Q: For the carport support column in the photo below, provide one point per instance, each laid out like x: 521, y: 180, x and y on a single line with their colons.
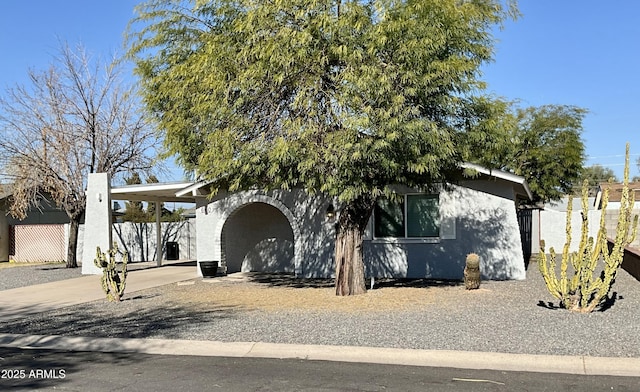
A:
x: 97, y: 226
x: 158, y: 236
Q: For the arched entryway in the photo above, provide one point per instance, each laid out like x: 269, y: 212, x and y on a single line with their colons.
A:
x: 257, y: 237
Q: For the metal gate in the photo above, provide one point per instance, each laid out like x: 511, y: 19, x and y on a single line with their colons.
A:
x: 525, y: 222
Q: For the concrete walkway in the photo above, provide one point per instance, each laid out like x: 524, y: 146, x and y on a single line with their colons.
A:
x: 23, y: 301
x: 18, y: 302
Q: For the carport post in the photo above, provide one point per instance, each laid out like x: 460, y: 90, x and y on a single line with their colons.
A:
x: 158, y: 236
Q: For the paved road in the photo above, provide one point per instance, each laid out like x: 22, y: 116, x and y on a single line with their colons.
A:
x: 94, y: 371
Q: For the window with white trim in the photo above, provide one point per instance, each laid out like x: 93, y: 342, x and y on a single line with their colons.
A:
x: 414, y: 216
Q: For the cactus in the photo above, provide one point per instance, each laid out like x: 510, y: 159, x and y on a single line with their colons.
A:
x: 583, y: 292
x: 472, y: 272
x: 112, y: 282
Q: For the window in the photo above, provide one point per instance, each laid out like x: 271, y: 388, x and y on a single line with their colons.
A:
x: 415, y: 216
x: 388, y: 219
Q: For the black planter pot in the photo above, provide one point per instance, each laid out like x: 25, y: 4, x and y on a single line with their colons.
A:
x: 209, y: 269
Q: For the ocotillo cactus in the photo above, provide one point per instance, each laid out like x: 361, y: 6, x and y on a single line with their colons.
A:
x: 472, y: 272
x: 113, y: 283
x: 583, y: 292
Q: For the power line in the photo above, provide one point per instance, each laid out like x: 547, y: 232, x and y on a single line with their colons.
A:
x: 590, y: 157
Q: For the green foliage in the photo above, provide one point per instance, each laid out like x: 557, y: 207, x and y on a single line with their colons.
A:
x: 135, y: 211
x: 544, y: 146
x: 339, y: 97
x: 113, y: 283
x: 595, y: 175
x: 583, y: 292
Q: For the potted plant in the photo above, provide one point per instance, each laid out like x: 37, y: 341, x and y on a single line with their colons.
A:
x: 209, y: 269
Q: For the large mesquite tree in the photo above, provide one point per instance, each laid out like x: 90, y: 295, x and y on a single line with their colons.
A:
x: 339, y: 97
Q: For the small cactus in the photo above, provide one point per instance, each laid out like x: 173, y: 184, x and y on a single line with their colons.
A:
x: 112, y: 282
x: 472, y: 272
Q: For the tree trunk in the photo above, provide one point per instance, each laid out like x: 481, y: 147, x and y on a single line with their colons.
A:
x: 349, y: 261
x: 72, y: 260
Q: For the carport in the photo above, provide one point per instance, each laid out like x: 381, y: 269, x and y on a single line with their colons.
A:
x: 99, y: 211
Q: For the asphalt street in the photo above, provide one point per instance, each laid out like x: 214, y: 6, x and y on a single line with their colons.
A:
x: 29, y: 369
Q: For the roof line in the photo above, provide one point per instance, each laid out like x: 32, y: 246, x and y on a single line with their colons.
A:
x: 503, y: 175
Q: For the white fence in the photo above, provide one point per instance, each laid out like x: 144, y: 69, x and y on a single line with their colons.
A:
x: 139, y: 239
x: 550, y: 226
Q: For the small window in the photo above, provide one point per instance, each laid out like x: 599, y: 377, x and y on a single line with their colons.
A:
x: 423, y: 216
x: 388, y: 219
x: 415, y: 216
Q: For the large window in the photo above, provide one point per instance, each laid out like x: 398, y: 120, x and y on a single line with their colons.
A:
x: 414, y: 216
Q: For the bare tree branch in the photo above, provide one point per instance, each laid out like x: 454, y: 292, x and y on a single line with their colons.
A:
x: 76, y: 118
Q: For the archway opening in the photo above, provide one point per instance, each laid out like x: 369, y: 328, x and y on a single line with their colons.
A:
x: 258, y: 237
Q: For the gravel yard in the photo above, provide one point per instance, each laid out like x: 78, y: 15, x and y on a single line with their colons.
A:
x: 13, y: 275
x: 508, y: 316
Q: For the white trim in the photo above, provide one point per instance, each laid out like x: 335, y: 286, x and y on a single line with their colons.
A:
x: 167, y: 186
x: 162, y: 192
x: 192, y: 188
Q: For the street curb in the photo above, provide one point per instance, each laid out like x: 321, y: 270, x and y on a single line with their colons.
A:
x: 584, y: 365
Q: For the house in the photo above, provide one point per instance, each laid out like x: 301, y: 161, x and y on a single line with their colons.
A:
x: 41, y: 236
x: 613, y: 206
x: 425, y: 235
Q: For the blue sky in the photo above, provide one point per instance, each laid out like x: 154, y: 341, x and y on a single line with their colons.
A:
x: 573, y: 52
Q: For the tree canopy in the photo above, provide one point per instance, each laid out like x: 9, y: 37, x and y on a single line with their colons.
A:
x: 544, y: 145
x: 595, y: 175
x: 342, y: 97
x: 346, y: 98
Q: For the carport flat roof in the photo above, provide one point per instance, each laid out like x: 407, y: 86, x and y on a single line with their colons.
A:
x: 161, y: 192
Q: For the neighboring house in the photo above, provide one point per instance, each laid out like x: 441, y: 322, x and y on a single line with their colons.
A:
x: 427, y: 235
x: 615, y: 195
x: 41, y: 236
x: 613, y: 206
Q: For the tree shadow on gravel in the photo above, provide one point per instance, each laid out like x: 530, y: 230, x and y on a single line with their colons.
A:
x: 289, y: 280
x: 119, y: 321
x: 416, y: 283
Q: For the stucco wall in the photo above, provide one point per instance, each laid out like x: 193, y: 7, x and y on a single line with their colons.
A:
x: 552, y: 229
x: 611, y: 222
x: 258, y: 237
x: 139, y: 239
x: 131, y: 238
x: 312, y: 232
x: 484, y: 223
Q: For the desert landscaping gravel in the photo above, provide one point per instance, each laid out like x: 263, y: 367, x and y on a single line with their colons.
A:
x: 13, y: 276
x: 20, y: 276
x: 502, y: 316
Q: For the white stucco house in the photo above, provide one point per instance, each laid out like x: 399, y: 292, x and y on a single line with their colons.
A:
x: 427, y: 235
